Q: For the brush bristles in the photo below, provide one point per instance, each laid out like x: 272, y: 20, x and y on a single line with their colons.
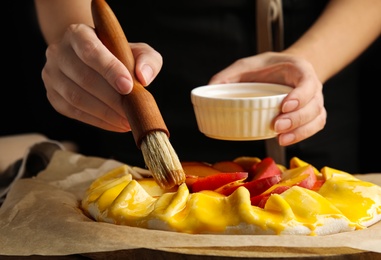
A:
x: 162, y: 160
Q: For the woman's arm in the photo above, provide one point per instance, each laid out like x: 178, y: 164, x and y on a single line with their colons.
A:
x: 55, y: 16
x: 343, y: 31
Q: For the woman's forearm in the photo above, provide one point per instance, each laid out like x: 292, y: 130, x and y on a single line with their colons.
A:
x: 344, y: 30
x: 54, y: 16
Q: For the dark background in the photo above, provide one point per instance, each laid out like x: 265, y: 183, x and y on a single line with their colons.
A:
x: 25, y: 109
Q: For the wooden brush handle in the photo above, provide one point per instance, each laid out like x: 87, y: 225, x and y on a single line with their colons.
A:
x: 139, y: 105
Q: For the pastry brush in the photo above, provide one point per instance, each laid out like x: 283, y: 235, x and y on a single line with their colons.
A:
x: 147, y: 125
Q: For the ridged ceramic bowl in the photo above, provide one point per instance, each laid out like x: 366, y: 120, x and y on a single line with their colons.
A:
x: 238, y: 111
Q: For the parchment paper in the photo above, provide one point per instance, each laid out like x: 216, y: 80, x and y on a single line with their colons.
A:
x: 41, y: 216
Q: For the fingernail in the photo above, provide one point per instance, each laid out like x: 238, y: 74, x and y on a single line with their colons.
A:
x: 124, y: 85
x: 282, y: 125
x: 147, y: 73
x: 289, y: 106
x: 285, y: 139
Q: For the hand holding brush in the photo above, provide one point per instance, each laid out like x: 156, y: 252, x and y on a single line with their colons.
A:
x: 148, y: 128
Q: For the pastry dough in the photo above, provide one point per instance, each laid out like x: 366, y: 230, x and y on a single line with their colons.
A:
x: 343, y: 203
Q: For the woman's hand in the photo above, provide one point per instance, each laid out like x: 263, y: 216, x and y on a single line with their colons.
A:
x: 86, y: 82
x: 303, y: 112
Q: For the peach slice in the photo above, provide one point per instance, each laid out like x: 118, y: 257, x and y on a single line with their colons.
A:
x: 228, y: 166
x: 190, y: 180
x: 247, y: 162
x: 198, y: 169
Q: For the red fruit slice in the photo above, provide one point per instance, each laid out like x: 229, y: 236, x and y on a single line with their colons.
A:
x: 310, y: 181
x: 229, y: 188
x: 265, y: 168
x: 255, y: 187
x: 317, y: 185
x: 261, y: 199
x: 259, y: 186
x: 215, y: 181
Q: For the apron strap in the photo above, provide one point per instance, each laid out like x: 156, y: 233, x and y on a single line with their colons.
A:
x: 270, y: 38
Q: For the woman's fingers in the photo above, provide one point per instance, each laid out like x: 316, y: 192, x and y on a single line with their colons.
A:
x: 302, y: 112
x: 148, y: 62
x: 74, y: 101
x: 298, y: 125
x: 85, y: 81
x: 77, y: 90
x: 94, y: 54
